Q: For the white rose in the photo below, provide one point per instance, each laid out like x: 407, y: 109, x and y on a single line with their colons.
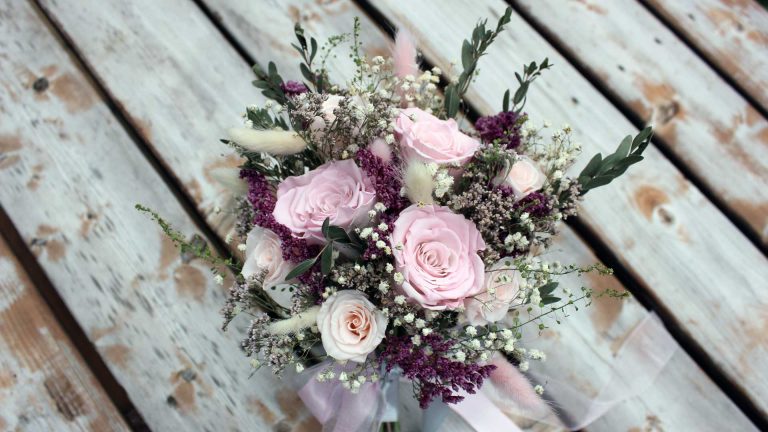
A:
x: 504, y: 281
x: 350, y: 326
x: 263, y: 253
x: 523, y: 177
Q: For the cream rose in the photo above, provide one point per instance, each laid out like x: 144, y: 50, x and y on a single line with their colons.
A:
x: 337, y: 190
x: 523, y: 177
x: 264, y: 254
x: 504, y: 281
x: 426, y: 138
x: 350, y: 326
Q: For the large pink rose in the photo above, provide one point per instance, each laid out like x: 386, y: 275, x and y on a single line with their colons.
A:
x: 504, y: 281
x: 337, y: 190
x: 429, y: 139
x: 436, y: 252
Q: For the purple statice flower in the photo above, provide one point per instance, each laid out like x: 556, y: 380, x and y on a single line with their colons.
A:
x: 385, y: 178
x: 434, y: 374
x: 262, y: 198
x: 293, y: 88
x: 502, y: 127
x: 535, y: 204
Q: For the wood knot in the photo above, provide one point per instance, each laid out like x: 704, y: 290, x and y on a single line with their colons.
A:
x: 40, y: 85
x: 665, y: 112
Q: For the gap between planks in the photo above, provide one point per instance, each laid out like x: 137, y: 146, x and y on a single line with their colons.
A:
x: 69, y: 325
x: 605, y: 254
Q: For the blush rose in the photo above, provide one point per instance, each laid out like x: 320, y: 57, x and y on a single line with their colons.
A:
x: 263, y: 254
x: 486, y: 307
x: 426, y: 138
x: 350, y: 326
x: 337, y: 190
x: 436, y: 252
x: 523, y: 177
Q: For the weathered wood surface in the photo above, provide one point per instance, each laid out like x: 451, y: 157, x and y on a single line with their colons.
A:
x: 44, y: 383
x: 70, y: 175
x: 732, y: 34
x: 720, y: 137
x: 664, y: 231
x: 271, y: 44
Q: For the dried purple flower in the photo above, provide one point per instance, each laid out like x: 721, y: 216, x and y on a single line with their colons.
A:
x: 504, y: 127
x: 293, y: 88
x: 433, y: 373
x: 385, y: 178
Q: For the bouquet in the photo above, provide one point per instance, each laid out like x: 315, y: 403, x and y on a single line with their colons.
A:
x: 380, y: 235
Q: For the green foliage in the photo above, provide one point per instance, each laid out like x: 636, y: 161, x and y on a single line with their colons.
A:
x: 262, y: 119
x: 334, y: 236
x: 530, y: 73
x: 600, y: 172
x: 471, y: 51
x: 197, y: 247
x: 318, y: 79
x: 269, y: 82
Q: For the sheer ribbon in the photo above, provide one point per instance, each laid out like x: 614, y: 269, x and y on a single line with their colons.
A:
x: 638, y: 362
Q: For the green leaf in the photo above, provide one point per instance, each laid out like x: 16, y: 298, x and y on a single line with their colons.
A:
x: 314, y: 49
x: 272, y: 68
x: 451, y: 101
x: 547, y: 289
x: 306, y: 72
x: 505, y: 102
x: 550, y: 300
x: 337, y: 234
x: 326, y: 259
x: 625, y: 146
x: 326, y: 225
x: 300, y: 269
x: 466, y: 55
x: 599, y: 181
x: 592, y: 167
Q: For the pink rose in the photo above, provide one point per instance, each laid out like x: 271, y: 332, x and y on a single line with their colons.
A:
x: 502, y: 285
x: 337, y: 190
x: 524, y: 177
x: 350, y: 326
x: 263, y: 254
x: 429, y: 139
x: 327, y: 107
x: 436, y: 252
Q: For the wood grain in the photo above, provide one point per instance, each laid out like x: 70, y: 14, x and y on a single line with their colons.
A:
x: 266, y: 33
x: 717, y: 134
x: 44, y: 383
x: 70, y: 176
x: 732, y: 34
x: 663, y: 230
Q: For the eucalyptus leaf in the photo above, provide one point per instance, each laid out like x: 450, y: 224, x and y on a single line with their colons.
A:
x: 326, y: 259
x: 300, y: 269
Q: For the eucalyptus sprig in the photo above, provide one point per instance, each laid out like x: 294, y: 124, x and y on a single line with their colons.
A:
x: 308, y: 51
x: 600, y: 172
x: 269, y: 82
x: 530, y: 73
x: 471, y: 51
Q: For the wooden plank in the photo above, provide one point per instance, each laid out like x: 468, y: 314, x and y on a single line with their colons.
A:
x: 70, y: 175
x: 674, y: 242
x: 719, y: 136
x: 732, y: 34
x: 266, y: 33
x: 44, y: 383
